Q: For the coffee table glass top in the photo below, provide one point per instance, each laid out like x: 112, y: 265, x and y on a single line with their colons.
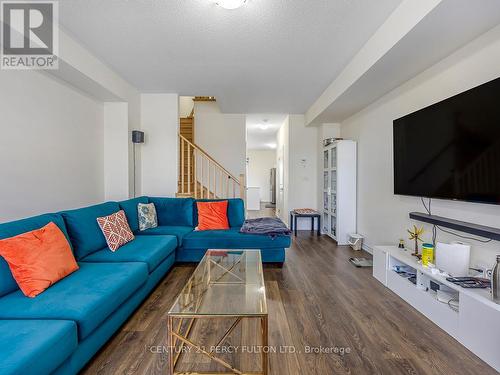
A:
x: 226, y: 282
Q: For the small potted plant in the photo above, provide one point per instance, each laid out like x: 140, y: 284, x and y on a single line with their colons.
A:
x: 415, y: 235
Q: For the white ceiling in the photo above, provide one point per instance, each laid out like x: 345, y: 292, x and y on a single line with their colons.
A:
x: 452, y: 24
x: 261, y: 134
x: 273, y: 56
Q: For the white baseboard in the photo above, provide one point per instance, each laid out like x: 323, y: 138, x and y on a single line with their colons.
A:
x: 367, y: 248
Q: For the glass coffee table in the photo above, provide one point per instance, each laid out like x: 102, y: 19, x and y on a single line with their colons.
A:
x: 227, y: 285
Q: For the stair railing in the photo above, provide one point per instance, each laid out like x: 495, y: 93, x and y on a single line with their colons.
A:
x: 201, y: 176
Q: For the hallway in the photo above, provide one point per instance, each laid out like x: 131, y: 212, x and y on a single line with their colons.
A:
x: 263, y: 212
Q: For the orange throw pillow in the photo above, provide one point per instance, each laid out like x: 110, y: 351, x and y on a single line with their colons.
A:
x: 212, y: 215
x: 39, y: 258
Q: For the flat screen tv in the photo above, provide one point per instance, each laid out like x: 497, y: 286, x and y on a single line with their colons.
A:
x: 451, y: 149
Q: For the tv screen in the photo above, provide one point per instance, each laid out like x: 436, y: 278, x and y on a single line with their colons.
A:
x: 451, y: 149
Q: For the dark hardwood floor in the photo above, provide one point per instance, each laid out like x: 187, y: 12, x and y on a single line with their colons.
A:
x: 316, y: 300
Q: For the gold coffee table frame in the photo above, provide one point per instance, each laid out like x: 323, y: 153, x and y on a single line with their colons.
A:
x: 227, y: 284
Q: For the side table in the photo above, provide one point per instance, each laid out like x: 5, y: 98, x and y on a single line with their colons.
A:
x: 295, y: 215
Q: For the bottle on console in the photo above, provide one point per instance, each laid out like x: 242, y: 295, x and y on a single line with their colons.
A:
x: 495, y: 281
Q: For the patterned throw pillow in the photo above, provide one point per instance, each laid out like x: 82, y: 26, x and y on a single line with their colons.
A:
x: 147, y: 216
x: 115, y: 229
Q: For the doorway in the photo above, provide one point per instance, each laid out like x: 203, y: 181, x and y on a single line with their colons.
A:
x: 262, y: 184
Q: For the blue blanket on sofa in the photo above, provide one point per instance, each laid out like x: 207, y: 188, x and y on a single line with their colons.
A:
x: 271, y: 226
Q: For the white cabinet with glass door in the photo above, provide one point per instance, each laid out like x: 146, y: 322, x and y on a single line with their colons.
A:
x: 339, y: 190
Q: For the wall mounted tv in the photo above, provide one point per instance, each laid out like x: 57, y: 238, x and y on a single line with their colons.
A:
x: 451, y: 149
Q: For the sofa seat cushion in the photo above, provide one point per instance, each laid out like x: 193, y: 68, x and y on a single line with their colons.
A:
x: 178, y: 231
x: 151, y: 250
x: 35, y: 346
x: 232, y: 239
x: 83, y: 230
x: 87, y: 296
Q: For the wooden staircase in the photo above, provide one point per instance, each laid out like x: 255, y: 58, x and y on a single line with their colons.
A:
x: 186, y: 130
x: 201, y: 176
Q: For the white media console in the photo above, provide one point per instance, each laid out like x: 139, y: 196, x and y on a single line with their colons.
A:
x: 476, y: 324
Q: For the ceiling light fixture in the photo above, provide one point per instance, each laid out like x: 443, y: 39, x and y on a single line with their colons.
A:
x: 230, y: 4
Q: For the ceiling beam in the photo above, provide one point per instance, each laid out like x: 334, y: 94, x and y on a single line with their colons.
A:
x: 404, y: 18
x: 85, y: 72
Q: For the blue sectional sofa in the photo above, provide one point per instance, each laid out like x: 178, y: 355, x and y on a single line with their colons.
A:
x: 60, y: 330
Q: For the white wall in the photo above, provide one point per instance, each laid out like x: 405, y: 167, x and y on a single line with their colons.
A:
x: 134, y: 123
x: 160, y: 152
x: 66, y: 136
x: 116, y: 138
x: 282, y: 170
x: 382, y: 216
x: 185, y: 105
x: 222, y: 136
x: 83, y: 71
x: 51, y: 146
x: 206, y: 107
x: 303, y: 167
x: 259, y: 165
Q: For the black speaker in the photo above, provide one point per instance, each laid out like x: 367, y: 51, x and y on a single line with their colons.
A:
x: 137, y: 136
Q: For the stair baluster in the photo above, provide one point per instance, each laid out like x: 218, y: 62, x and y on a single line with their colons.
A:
x: 201, y: 176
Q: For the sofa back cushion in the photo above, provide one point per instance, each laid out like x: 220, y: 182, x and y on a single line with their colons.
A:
x: 130, y: 208
x: 235, y: 211
x: 14, y: 228
x: 174, y: 211
x: 83, y: 230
